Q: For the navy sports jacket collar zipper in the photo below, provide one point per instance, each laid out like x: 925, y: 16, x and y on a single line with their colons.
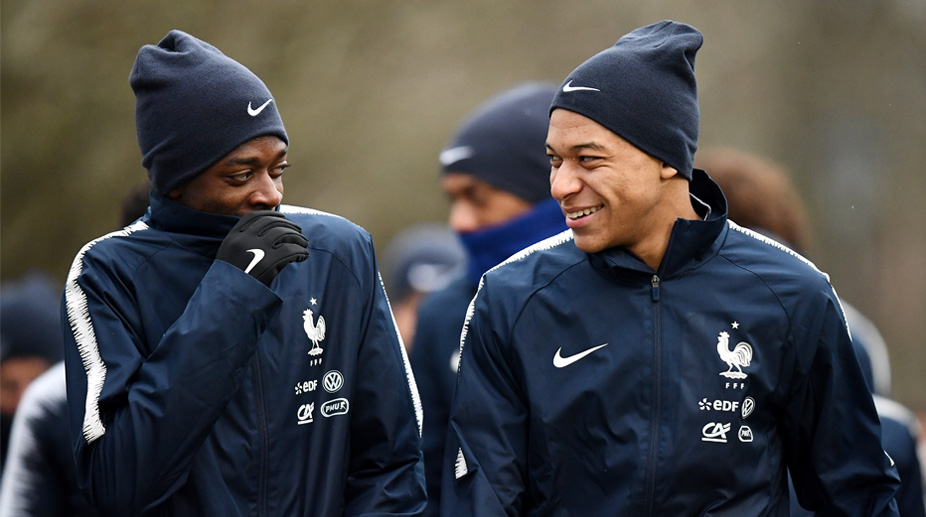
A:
x: 653, y: 455
x: 203, y: 233
x: 199, y: 232
x: 691, y: 243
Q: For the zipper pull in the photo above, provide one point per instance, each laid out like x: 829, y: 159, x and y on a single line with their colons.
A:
x: 655, y: 282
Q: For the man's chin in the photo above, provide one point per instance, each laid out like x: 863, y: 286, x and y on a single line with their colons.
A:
x: 589, y: 244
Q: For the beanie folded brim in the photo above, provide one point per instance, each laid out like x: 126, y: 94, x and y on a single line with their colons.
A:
x: 643, y: 89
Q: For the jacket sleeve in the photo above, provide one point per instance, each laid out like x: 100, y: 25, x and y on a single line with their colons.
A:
x: 140, y: 411
x: 386, y: 472
x: 484, y: 469
x: 832, y: 432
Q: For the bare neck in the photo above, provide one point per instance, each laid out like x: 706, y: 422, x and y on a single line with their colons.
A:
x: 676, y: 204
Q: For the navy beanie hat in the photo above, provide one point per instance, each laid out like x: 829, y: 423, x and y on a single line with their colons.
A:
x: 643, y: 89
x: 30, y: 318
x: 503, y: 142
x: 193, y: 106
x: 424, y: 258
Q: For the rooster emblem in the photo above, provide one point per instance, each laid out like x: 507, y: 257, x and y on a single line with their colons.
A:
x: 740, y: 356
x: 315, y: 331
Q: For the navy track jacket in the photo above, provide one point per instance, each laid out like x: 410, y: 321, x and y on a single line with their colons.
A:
x: 434, y: 359
x: 194, y: 389
x: 591, y: 385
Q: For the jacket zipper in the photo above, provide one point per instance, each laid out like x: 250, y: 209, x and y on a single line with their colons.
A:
x: 657, y: 395
x: 261, y: 437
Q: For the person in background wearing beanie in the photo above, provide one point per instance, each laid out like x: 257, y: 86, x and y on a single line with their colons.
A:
x: 419, y: 260
x: 42, y: 480
x: 761, y: 197
x: 226, y: 354
x: 29, y: 342
x: 656, y: 358
x: 496, y: 175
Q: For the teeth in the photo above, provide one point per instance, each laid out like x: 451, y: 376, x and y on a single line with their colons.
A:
x: 581, y: 213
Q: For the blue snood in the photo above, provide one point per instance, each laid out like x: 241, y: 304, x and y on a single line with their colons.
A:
x: 489, y: 246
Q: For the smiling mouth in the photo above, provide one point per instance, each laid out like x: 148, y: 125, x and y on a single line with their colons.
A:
x: 584, y: 212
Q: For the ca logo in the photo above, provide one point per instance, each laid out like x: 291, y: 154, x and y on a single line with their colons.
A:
x: 304, y: 415
x: 715, y: 432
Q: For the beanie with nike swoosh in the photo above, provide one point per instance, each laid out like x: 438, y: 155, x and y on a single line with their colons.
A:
x: 502, y: 142
x: 194, y: 105
x: 643, y: 89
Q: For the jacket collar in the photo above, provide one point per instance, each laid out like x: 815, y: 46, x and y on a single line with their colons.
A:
x: 691, y: 243
x: 170, y: 216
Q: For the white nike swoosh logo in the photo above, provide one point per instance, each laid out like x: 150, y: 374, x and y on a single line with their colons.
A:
x: 455, y: 154
x: 569, y: 88
x: 561, y: 362
x: 258, y: 256
x: 255, y: 112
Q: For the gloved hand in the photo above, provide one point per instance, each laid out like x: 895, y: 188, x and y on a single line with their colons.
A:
x: 263, y: 243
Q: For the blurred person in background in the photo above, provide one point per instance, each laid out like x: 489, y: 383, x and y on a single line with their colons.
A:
x: 900, y: 429
x: 227, y: 354
x: 30, y: 341
x: 496, y: 176
x: 419, y: 260
x: 43, y: 475
x: 656, y: 359
x: 761, y: 196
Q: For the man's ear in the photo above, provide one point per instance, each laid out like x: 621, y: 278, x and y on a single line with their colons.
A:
x: 668, y: 172
x: 174, y: 194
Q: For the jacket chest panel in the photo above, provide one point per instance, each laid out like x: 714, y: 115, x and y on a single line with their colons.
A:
x: 302, y: 377
x: 700, y: 375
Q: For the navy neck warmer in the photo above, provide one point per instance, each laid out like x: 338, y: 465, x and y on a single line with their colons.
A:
x: 492, y: 245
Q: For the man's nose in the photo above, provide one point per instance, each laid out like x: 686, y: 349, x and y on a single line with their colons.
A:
x: 463, y: 218
x: 268, y: 191
x: 564, y: 181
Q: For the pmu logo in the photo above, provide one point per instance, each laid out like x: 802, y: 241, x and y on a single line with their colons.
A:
x: 336, y: 407
x: 715, y: 432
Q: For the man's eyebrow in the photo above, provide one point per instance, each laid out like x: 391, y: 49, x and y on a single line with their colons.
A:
x: 252, y: 160
x: 579, y: 147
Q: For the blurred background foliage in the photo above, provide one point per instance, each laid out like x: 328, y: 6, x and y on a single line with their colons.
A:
x: 371, y: 90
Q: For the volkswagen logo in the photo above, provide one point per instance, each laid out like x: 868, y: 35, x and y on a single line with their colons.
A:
x: 333, y: 381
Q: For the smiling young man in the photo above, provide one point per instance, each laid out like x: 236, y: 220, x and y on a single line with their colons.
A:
x: 226, y: 354
x: 655, y: 358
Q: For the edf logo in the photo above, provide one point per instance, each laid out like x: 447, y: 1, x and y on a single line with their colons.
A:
x: 718, y: 405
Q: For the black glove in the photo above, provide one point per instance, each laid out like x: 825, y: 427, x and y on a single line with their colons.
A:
x: 262, y: 243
